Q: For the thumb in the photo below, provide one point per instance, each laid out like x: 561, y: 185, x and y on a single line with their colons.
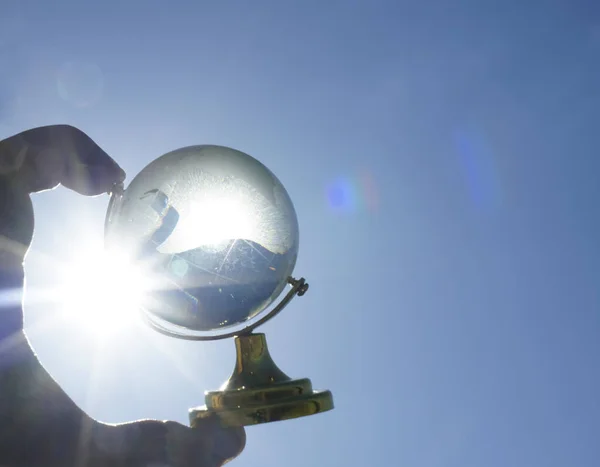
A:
x: 208, y: 444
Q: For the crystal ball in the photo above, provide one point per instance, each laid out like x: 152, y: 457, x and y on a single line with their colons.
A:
x: 214, y: 229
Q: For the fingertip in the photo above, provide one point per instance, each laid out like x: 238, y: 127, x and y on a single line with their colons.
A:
x: 121, y: 175
x: 228, y: 443
x: 112, y: 177
x: 90, y: 162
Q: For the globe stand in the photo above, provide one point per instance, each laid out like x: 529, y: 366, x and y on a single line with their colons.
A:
x: 206, y: 184
x: 259, y: 392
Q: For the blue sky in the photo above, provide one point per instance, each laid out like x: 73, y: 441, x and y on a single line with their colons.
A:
x: 443, y: 162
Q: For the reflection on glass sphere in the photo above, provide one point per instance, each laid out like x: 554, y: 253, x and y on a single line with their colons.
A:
x: 216, y: 231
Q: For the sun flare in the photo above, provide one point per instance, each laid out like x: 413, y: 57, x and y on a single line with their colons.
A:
x: 101, y: 293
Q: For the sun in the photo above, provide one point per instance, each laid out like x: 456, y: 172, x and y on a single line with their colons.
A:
x: 100, y: 292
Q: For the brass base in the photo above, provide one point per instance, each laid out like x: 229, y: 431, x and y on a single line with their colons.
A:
x: 259, y: 392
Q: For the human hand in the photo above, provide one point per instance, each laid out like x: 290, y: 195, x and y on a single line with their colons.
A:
x: 39, y: 424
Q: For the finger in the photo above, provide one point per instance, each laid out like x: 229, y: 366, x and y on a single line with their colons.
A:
x: 228, y: 444
x: 220, y: 444
x: 44, y: 157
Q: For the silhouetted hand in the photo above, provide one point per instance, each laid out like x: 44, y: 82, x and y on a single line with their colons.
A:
x: 39, y: 424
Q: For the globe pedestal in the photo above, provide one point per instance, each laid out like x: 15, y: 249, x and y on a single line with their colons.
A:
x: 259, y: 392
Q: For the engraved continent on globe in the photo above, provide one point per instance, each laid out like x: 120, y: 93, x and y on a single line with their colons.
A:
x: 214, y: 229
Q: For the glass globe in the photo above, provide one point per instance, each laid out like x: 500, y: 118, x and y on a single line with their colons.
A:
x: 215, y: 232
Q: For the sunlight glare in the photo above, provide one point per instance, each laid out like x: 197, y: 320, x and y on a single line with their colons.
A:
x: 212, y: 223
x: 101, y: 293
